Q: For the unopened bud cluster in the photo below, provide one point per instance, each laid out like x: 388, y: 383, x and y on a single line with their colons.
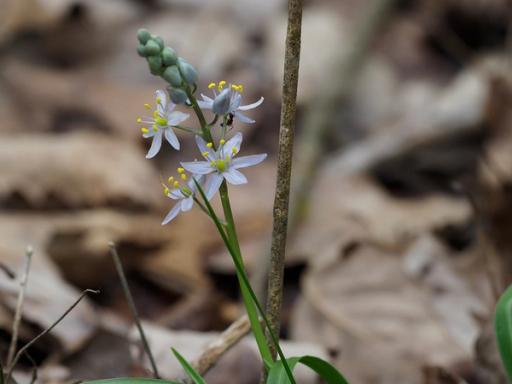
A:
x: 164, y: 62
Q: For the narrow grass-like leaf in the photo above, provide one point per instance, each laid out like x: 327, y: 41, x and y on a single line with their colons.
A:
x: 130, y: 380
x: 245, y: 283
x: 503, y: 329
x: 325, y: 370
x: 191, y: 372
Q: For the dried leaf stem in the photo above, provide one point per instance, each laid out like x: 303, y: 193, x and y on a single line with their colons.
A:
x: 19, y: 306
x: 133, y: 308
x: 284, y: 167
x: 45, y: 332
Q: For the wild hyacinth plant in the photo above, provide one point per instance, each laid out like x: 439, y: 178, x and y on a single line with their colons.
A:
x: 216, y: 165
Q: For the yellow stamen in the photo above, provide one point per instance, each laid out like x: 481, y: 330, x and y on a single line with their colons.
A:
x: 212, y: 163
x: 166, y: 191
x: 222, y: 141
x: 209, y: 145
x: 170, y: 180
x: 222, y: 83
x: 139, y: 120
x: 147, y: 106
x: 181, y: 170
x: 183, y: 176
x: 240, y: 88
x: 205, y: 154
x: 158, y: 100
x: 144, y: 130
x: 234, y: 150
x: 155, y: 114
x: 176, y: 184
x: 155, y: 128
x: 211, y: 85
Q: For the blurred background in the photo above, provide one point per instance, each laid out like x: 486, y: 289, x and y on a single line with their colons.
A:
x: 401, y: 211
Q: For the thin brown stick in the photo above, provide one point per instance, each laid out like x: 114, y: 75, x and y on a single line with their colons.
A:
x: 45, y: 332
x: 227, y: 339
x: 8, y: 271
x: 19, y: 305
x: 284, y: 167
x: 133, y: 308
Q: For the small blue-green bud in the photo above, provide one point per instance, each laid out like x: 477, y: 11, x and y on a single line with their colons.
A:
x: 155, y: 64
x: 143, y: 35
x: 159, y: 41
x: 169, y: 56
x: 178, y: 96
x: 140, y: 50
x: 172, y: 76
x: 222, y: 102
x: 152, y: 48
x: 188, y: 71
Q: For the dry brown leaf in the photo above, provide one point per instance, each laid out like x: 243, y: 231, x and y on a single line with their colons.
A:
x: 80, y: 170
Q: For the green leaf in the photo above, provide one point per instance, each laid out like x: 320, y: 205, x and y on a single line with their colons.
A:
x: 194, y: 375
x: 130, y: 380
x: 503, y: 329
x: 325, y: 370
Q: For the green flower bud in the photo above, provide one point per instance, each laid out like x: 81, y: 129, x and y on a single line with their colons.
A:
x: 169, y: 56
x: 159, y: 41
x: 155, y: 64
x: 143, y: 35
x: 152, y: 48
x: 178, y: 96
x: 172, y: 76
x: 188, y: 71
x: 222, y: 102
x: 140, y: 50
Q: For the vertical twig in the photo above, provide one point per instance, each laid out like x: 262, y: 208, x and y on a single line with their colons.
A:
x: 284, y: 166
x: 133, y: 308
x: 43, y: 333
x: 19, y: 306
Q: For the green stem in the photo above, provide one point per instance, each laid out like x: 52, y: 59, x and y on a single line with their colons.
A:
x: 246, y: 296
x: 233, y: 239
x: 189, y: 130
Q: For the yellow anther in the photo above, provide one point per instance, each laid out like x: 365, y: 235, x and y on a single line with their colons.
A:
x: 147, y: 106
x: 212, y: 163
x: 234, y: 150
x: 183, y: 176
x: 155, y: 114
x: 222, y: 83
x: 181, y: 170
x: 209, y: 145
x: 139, y: 120
x: 205, y: 154
x: 166, y: 191
x: 158, y: 100
x: 170, y: 180
x: 144, y: 130
x: 240, y: 88
x: 222, y: 141
x: 155, y: 128
x: 176, y: 184
x: 211, y: 85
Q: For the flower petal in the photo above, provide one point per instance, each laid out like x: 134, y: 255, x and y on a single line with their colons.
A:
x: 205, y: 104
x: 234, y: 177
x: 176, y: 117
x: 236, y: 99
x: 162, y: 105
x: 234, y: 142
x: 172, y: 213
x: 170, y: 136
x: 198, y: 167
x: 155, y: 145
x: 247, y: 161
x: 251, y: 106
x: 186, y: 204
x: 201, y: 144
x: 213, y: 185
x: 244, y: 119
